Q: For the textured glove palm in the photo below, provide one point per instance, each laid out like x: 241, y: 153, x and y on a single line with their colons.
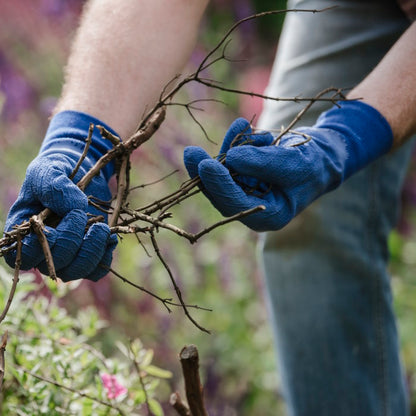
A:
x: 288, y: 177
x: 76, y: 254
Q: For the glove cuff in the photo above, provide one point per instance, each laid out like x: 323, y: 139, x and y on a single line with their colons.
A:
x: 366, y: 133
x: 66, y: 134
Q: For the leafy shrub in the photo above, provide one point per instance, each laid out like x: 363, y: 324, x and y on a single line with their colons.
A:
x: 54, y: 363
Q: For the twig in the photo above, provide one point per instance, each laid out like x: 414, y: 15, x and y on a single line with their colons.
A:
x: 108, y: 135
x: 84, y: 153
x: 15, y: 278
x: 235, y: 217
x: 179, y: 199
x: 122, y: 189
x: 37, y: 226
x: 337, y: 94
x: 70, y: 389
x: 165, y: 301
x: 144, y: 185
x: 202, y: 65
x: 135, y: 215
x: 2, y: 361
x: 165, y: 98
x: 215, y: 85
x: 124, y: 217
x: 176, y: 402
x: 160, y: 203
x: 175, y: 286
x: 194, y: 392
x: 192, y: 238
x: 142, y: 384
x: 140, y: 137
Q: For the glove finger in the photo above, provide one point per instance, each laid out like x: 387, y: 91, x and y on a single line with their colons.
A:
x: 69, y: 236
x: 239, y: 127
x: 230, y: 199
x: 89, y: 255
x: 102, y: 268
x: 61, y: 195
x: 262, y: 138
x: 49, y: 184
x: 192, y: 157
x: 271, y: 164
x: 222, y: 190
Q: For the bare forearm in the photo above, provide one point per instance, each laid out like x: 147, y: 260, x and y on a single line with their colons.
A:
x: 391, y: 87
x: 124, y: 53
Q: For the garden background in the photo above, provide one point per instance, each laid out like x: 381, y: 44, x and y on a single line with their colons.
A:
x: 219, y: 272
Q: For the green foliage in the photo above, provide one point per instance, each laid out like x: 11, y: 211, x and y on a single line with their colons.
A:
x: 403, y: 268
x: 54, y: 363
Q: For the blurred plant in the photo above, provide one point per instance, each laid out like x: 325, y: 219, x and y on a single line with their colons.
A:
x: 54, y: 363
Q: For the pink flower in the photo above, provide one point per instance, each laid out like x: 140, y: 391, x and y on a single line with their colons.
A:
x: 113, y: 387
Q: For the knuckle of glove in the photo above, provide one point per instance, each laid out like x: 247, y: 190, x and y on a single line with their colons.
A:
x: 92, y: 251
x: 48, y: 182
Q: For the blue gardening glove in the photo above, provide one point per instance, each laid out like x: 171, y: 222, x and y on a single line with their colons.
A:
x: 288, y: 177
x: 76, y: 254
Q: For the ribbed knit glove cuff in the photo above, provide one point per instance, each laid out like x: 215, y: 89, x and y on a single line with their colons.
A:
x: 67, y: 133
x: 367, y: 134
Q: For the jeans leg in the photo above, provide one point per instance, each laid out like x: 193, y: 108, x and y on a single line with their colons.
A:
x: 331, y: 303
x: 326, y: 272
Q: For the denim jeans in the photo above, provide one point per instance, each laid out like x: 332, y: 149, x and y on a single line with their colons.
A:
x: 326, y: 273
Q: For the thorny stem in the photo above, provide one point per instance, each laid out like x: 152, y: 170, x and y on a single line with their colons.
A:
x: 121, y: 152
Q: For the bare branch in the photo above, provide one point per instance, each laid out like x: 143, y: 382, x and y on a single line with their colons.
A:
x: 235, y: 217
x: 142, y: 383
x: 38, y: 226
x: 84, y: 153
x: 144, y: 185
x: 15, y: 278
x: 246, y: 19
x: 337, y: 95
x: 165, y: 301
x: 140, y: 137
x: 176, y: 402
x: 2, y: 361
x: 115, y: 140
x: 194, y: 392
x: 176, y: 287
x: 122, y: 189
